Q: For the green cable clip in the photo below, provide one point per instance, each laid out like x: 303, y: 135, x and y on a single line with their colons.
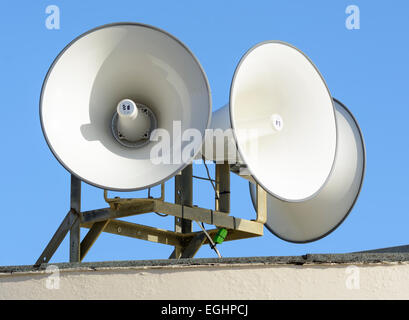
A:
x: 220, y: 236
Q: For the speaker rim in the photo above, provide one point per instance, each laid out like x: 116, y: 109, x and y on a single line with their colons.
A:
x: 242, y: 59
x: 357, y: 194
x: 55, y: 61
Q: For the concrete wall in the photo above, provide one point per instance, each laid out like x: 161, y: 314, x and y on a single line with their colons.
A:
x: 245, y: 278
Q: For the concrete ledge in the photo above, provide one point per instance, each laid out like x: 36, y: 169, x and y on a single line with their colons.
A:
x: 349, y: 258
x: 315, y: 276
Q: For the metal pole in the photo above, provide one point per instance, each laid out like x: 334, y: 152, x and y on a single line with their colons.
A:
x: 75, y: 235
x: 261, y: 205
x: 222, y: 187
x: 183, y: 196
x: 57, y: 238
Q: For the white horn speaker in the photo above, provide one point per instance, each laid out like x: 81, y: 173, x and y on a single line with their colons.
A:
x: 108, y: 90
x: 283, y: 122
x: 315, y: 218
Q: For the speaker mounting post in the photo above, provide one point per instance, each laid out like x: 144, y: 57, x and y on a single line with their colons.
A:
x: 183, y: 239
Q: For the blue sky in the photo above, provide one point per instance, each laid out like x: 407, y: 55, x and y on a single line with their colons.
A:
x: 366, y: 69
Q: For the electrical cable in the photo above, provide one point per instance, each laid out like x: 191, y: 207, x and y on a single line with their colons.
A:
x: 203, y: 178
x: 212, y: 244
x: 159, y: 214
x: 210, y: 179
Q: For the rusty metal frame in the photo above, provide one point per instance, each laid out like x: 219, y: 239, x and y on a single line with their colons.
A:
x: 185, y: 242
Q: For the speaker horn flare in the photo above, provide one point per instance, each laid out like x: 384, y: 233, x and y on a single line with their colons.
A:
x: 137, y: 66
x: 283, y: 122
x: 315, y: 218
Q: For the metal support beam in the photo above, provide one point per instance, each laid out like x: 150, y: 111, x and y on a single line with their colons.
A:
x: 139, y: 207
x: 75, y: 235
x: 91, y: 237
x: 208, y: 216
x: 57, y: 238
x: 223, y: 187
x: 184, y: 197
x: 193, y: 246
x: 185, y: 242
x: 261, y: 205
x: 137, y: 231
x: 219, y: 219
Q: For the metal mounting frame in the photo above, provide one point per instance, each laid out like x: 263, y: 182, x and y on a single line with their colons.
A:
x: 185, y: 242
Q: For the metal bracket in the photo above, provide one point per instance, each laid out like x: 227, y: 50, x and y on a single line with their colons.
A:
x: 116, y: 203
x: 57, y: 238
x: 223, y: 187
x: 185, y: 242
x: 75, y: 230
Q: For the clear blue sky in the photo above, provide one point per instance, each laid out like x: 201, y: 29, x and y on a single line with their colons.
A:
x: 366, y: 69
